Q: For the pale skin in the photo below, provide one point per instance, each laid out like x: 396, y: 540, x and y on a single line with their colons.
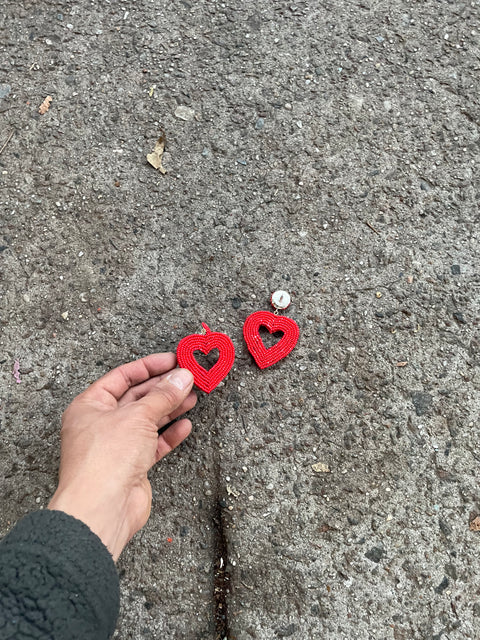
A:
x: 110, y: 441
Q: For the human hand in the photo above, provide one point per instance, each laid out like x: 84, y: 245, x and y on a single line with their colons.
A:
x: 110, y: 440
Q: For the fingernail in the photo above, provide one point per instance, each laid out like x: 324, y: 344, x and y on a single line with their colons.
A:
x: 181, y: 378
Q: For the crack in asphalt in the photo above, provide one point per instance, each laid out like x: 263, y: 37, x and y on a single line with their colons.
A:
x: 221, y: 577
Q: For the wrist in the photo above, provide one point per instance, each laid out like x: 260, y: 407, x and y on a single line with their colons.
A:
x: 105, y: 515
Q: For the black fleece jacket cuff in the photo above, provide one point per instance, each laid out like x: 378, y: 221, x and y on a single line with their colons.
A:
x: 57, y: 581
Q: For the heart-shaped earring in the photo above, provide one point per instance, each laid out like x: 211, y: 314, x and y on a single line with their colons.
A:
x: 273, y: 322
x: 206, y: 380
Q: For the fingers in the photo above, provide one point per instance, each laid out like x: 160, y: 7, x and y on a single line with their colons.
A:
x: 139, y: 390
x: 113, y: 385
x: 172, y: 438
x: 167, y: 396
x: 189, y: 402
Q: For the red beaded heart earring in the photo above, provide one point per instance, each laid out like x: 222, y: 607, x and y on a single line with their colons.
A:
x: 206, y: 380
x: 273, y: 322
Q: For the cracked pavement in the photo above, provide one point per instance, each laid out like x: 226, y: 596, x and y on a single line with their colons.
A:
x: 329, y: 149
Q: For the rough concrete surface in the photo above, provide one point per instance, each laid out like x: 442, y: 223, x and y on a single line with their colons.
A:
x: 330, y: 149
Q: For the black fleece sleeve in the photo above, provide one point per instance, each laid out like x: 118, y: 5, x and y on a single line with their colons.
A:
x: 57, y: 581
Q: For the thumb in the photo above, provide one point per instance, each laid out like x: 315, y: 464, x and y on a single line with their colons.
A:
x: 168, y: 394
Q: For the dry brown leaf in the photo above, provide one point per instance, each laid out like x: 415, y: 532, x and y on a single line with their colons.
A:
x: 155, y: 158
x: 475, y: 524
x: 45, y: 106
x: 321, y: 467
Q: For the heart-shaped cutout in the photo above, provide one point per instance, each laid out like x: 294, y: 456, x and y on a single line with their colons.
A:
x: 251, y: 332
x: 207, y: 360
x: 206, y: 380
x: 269, y: 339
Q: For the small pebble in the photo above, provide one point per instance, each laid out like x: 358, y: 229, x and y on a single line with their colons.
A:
x: 375, y: 554
x: 184, y: 113
x: 321, y: 467
x: 260, y: 123
x: 4, y: 90
x: 288, y: 106
x: 422, y: 402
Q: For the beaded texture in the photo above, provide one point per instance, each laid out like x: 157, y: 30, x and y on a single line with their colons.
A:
x: 266, y: 357
x: 206, y: 380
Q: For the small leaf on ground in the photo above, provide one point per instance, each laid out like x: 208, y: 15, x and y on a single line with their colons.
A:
x: 45, y: 106
x: 155, y: 158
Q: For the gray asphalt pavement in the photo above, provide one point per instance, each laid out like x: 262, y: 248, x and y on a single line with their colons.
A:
x: 325, y: 148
